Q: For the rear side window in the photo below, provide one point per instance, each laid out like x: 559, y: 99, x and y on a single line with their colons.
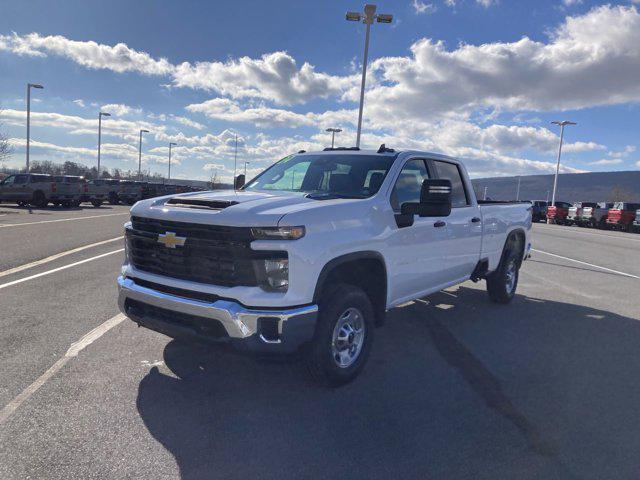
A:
x: 40, y: 178
x: 20, y: 179
x: 409, y: 184
x: 450, y: 171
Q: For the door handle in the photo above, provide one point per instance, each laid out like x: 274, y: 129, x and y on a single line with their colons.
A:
x: 439, y: 224
x: 475, y: 220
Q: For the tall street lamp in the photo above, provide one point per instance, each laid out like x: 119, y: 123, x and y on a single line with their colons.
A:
x: 245, y: 169
x: 29, y: 87
x: 100, y: 115
x: 562, y: 124
x: 140, y: 155
x: 171, y: 144
x: 367, y: 17
x: 333, y: 134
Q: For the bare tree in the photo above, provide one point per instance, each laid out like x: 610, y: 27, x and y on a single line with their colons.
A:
x: 5, y: 147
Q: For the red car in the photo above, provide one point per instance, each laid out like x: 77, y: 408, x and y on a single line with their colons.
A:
x: 558, y: 212
x: 622, y: 215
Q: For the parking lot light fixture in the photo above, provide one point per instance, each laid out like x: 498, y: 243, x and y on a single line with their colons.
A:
x: 171, y: 144
x: 367, y: 17
x: 140, y: 154
x: 29, y: 87
x: 561, y: 124
x: 100, y: 115
x: 333, y: 134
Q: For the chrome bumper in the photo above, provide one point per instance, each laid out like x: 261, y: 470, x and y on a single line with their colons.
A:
x: 294, y: 326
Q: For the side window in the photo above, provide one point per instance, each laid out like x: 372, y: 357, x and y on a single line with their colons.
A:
x: 20, y: 179
x: 450, y: 171
x: 409, y: 184
x: 9, y: 180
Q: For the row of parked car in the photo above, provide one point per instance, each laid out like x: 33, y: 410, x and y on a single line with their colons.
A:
x: 606, y: 215
x: 40, y: 190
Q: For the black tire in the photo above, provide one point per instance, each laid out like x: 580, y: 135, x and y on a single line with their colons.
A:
x: 39, y: 200
x: 96, y: 203
x: 338, y: 303
x: 113, y: 199
x: 502, y: 284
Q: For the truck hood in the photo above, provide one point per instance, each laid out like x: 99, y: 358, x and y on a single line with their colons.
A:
x: 229, y: 207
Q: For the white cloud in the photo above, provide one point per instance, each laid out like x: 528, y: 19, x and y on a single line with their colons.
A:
x: 605, y: 161
x: 79, y: 103
x: 119, y: 58
x: 420, y: 7
x: 120, y: 110
x: 625, y: 152
x: 589, y: 60
x: 487, y: 3
x: 274, y: 76
x: 570, y: 3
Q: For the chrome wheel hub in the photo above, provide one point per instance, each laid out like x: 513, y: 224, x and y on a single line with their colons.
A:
x: 511, y: 274
x: 348, y: 337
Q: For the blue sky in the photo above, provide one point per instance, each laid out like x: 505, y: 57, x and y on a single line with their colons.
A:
x: 477, y: 79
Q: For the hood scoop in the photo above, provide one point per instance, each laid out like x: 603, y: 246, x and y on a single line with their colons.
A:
x: 185, y: 202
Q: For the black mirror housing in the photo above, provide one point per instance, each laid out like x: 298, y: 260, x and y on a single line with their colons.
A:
x: 435, y: 200
x: 239, y: 183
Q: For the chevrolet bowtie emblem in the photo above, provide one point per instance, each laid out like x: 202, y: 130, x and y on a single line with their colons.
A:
x: 170, y: 240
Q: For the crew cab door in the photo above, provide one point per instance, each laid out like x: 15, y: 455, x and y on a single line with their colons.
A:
x: 415, y: 253
x: 464, y: 224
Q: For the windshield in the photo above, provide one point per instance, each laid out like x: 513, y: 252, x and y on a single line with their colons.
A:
x: 325, y: 175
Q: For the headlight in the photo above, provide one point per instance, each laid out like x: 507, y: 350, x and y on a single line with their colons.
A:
x: 277, y: 233
x: 273, y: 274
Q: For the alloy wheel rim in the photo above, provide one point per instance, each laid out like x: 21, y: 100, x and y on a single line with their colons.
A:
x: 511, y: 276
x: 348, y: 337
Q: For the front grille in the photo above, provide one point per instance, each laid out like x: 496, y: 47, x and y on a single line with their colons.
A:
x: 211, y: 254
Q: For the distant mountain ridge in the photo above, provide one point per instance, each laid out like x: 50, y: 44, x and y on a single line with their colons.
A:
x: 572, y: 187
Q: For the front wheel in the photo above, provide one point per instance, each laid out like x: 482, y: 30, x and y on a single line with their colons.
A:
x: 96, y: 203
x: 343, y: 336
x: 502, y: 284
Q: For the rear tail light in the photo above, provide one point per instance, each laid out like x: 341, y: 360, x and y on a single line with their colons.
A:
x: 54, y: 187
x: 86, y: 188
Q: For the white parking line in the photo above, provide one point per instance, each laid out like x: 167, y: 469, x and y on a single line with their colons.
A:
x: 583, y: 263
x: 48, y: 272
x: 55, y: 257
x: 62, y: 220
x: 73, y: 351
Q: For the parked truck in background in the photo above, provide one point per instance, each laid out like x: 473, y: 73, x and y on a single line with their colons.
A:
x: 313, y: 251
x: 35, y: 189
x: 636, y: 222
x: 596, y: 216
x: 574, y: 215
x: 539, y: 211
x: 558, y: 212
x: 622, y: 215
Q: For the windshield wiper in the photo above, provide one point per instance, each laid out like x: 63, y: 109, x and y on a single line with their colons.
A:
x: 331, y: 195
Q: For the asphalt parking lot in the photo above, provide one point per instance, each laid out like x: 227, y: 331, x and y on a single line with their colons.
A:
x: 456, y: 387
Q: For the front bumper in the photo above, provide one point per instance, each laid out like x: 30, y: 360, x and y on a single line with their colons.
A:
x: 220, y: 321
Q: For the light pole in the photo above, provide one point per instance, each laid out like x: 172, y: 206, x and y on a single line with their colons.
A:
x: 333, y: 134
x: 100, y: 115
x: 518, y: 190
x: 367, y: 17
x: 140, y: 155
x: 562, y: 124
x: 245, y: 169
x: 29, y: 87
x: 171, y: 144
x: 484, y: 197
x: 235, y: 162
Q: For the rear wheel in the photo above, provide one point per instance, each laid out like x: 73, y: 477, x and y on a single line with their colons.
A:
x: 39, y: 200
x: 96, y: 203
x: 113, y: 199
x: 343, y: 336
x: 502, y: 284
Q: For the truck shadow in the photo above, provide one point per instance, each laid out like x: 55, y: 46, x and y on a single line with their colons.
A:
x: 456, y: 387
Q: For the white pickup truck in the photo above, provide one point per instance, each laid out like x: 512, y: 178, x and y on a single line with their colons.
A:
x: 313, y: 251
